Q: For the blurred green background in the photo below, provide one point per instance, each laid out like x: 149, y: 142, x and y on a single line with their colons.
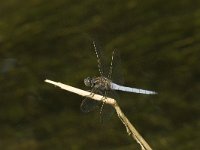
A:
x: 159, y: 42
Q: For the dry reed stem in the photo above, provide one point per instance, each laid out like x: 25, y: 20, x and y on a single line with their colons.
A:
x: 129, y: 127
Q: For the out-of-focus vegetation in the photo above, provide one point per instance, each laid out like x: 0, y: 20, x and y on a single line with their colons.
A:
x: 159, y: 42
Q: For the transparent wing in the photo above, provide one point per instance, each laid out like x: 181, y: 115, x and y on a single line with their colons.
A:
x: 117, y: 73
x: 89, y: 105
x: 112, y: 70
x: 101, y: 60
x: 107, y: 110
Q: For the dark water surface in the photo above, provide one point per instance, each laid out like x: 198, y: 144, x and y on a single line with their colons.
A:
x: 159, y: 42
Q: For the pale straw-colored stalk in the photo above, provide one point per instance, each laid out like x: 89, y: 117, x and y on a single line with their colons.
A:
x: 129, y: 127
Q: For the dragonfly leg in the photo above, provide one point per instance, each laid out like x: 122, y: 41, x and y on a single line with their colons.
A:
x: 92, y: 92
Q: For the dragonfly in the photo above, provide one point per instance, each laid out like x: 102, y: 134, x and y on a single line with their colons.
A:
x: 104, y: 85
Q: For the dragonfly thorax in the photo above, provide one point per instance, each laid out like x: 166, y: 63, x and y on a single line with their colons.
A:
x: 101, y: 83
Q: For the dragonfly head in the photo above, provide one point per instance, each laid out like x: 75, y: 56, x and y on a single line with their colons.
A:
x: 87, y: 81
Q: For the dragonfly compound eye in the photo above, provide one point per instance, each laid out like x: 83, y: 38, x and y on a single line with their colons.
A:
x: 87, y: 81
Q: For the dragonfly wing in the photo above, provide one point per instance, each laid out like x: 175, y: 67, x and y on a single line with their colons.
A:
x: 89, y: 105
x: 117, y: 74
x: 106, y: 113
x: 107, y: 110
x: 101, y: 60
